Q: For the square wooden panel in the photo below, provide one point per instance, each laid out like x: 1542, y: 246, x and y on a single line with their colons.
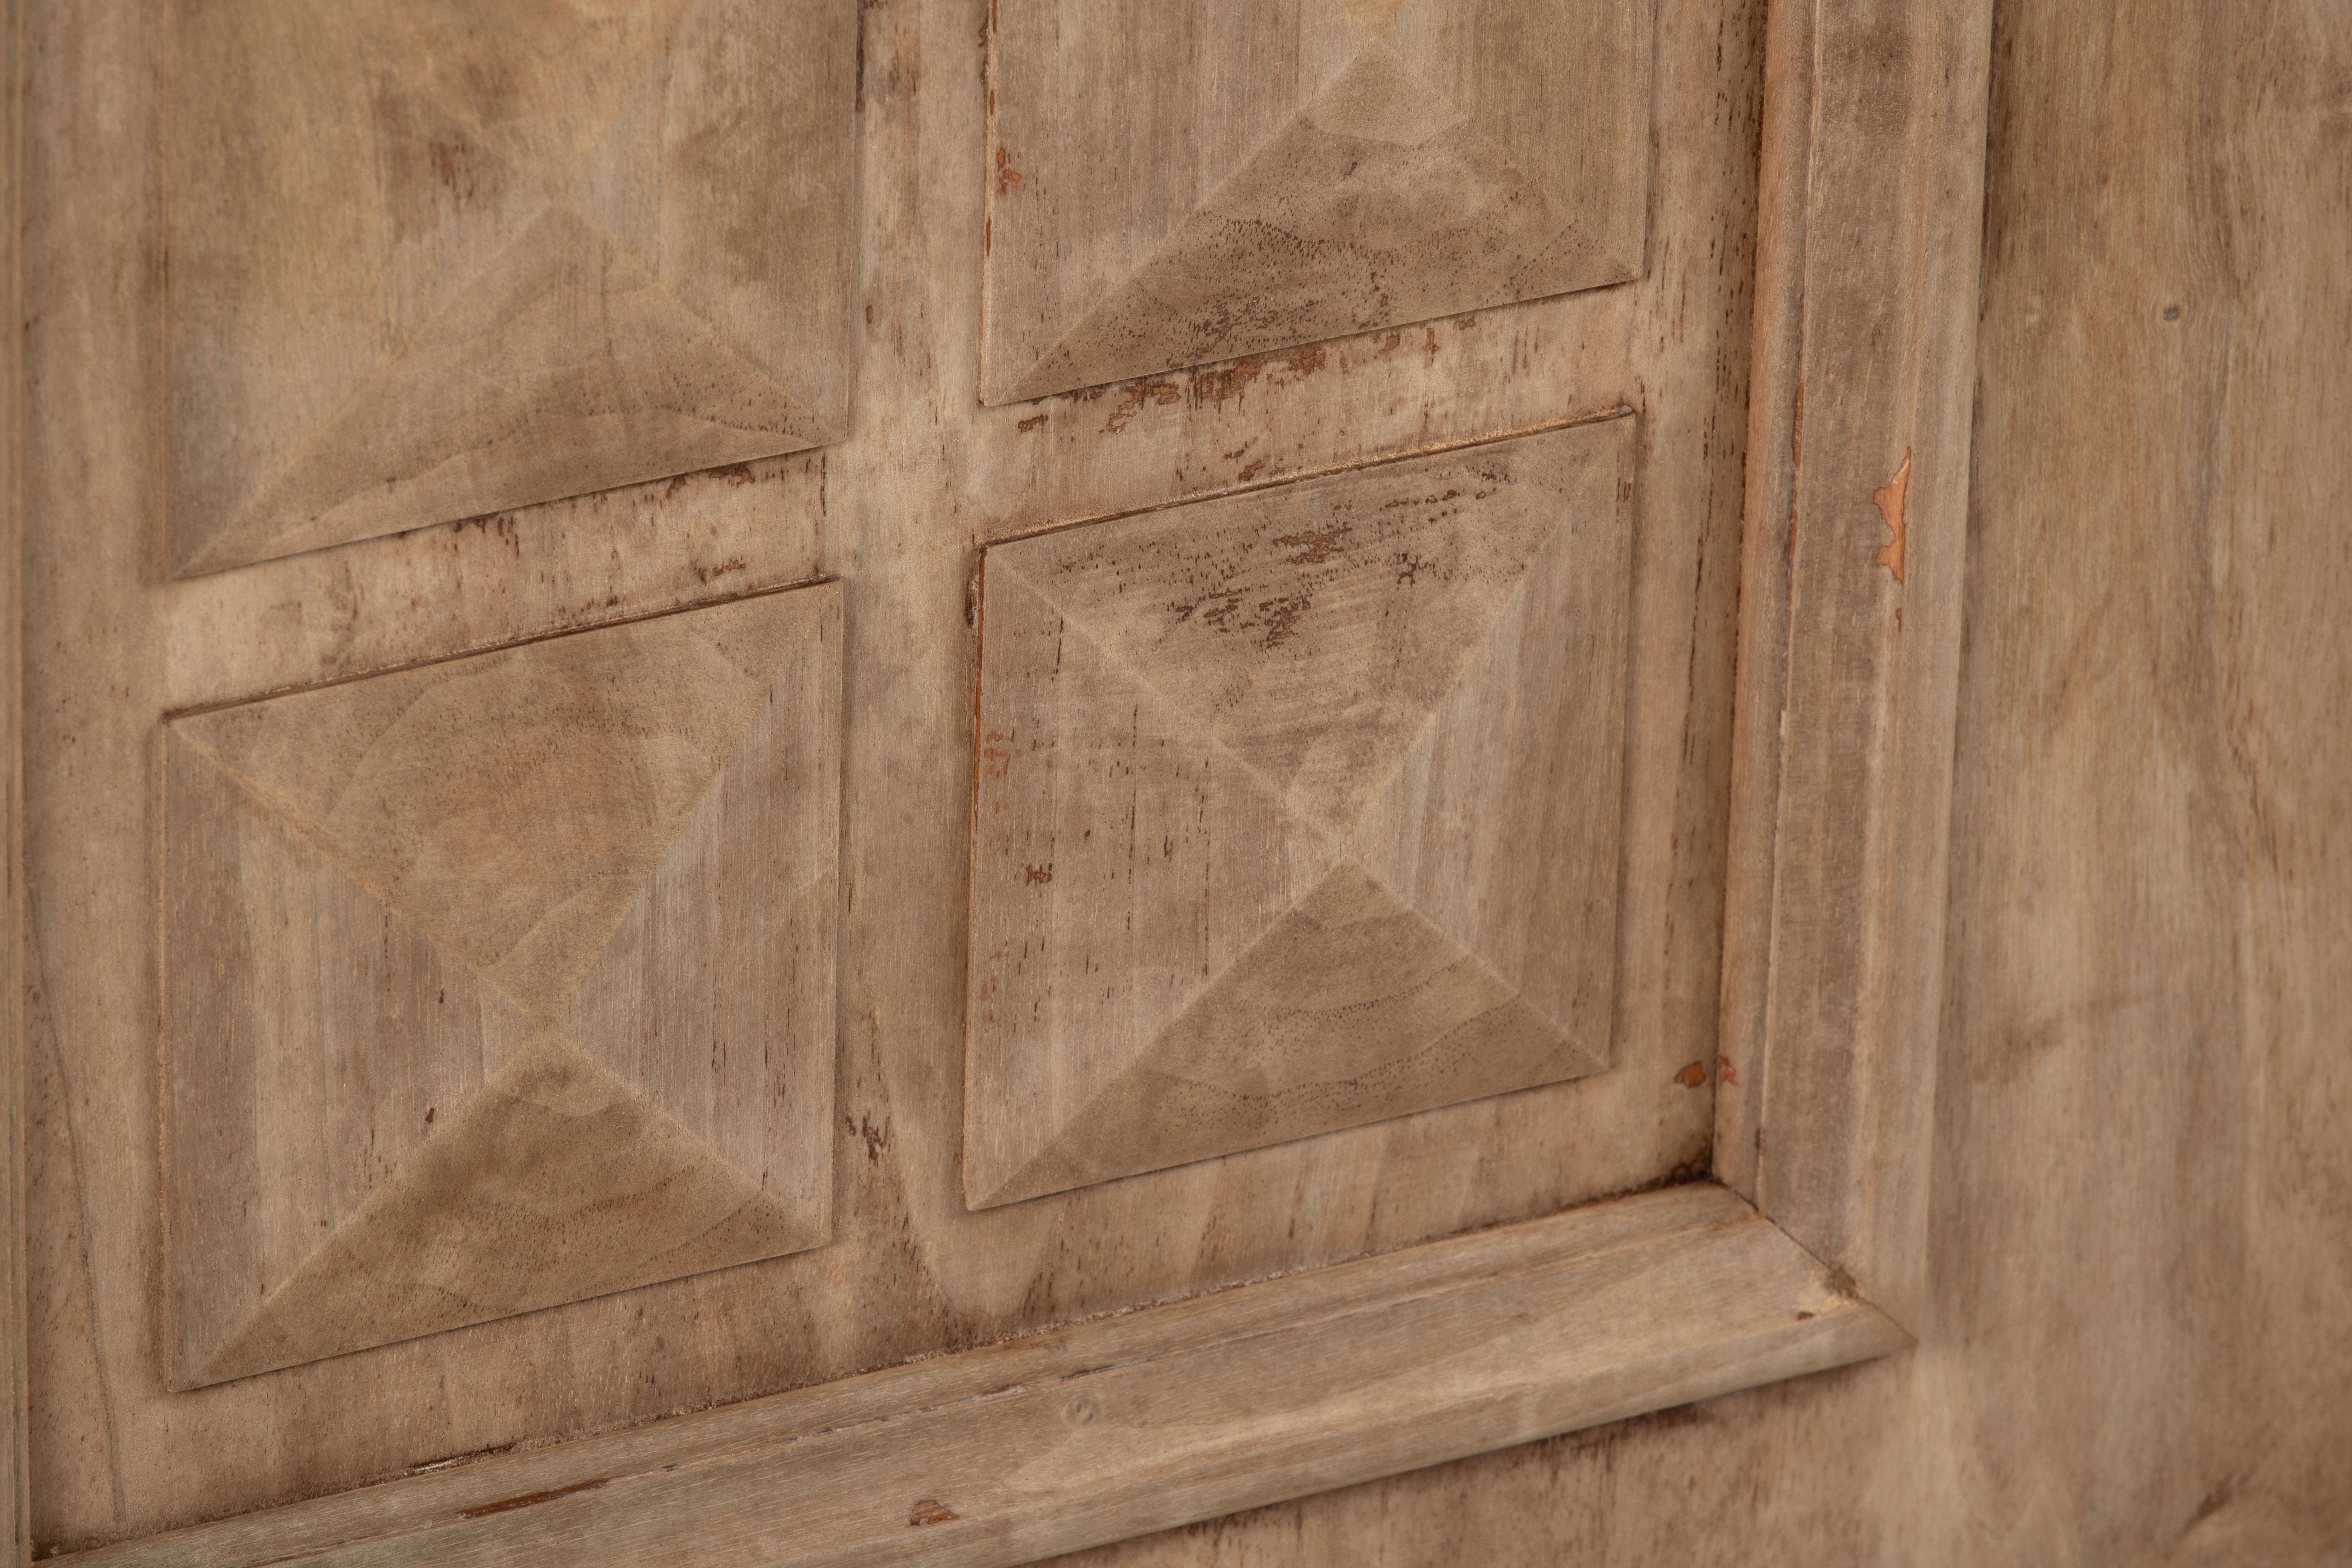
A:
x: 1374, y: 1347
x: 1297, y: 809
x: 499, y: 983
x: 432, y: 258
x: 1178, y: 183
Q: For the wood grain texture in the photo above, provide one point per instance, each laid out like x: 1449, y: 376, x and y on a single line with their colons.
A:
x: 1002, y: 1455
x: 16, y: 1457
x: 1775, y: 437
x: 437, y: 592
x: 1195, y: 182
x: 1852, y: 631
x: 2140, y: 1260
x: 1297, y: 809
x: 897, y: 511
x: 428, y: 260
x: 576, y: 900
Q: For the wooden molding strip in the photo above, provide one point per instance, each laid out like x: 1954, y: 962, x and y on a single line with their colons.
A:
x: 1857, y: 509
x: 15, y: 1500
x: 1138, y: 1422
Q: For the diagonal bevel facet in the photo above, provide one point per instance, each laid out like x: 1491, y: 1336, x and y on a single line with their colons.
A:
x: 1091, y: 778
x: 554, y: 1182
x: 516, y: 253
x: 541, y: 84
x: 1311, y: 629
x: 1352, y: 1008
x: 714, y: 997
x: 1297, y: 809
x: 1308, y: 170
x: 1380, y: 201
x: 512, y: 805
x: 289, y: 987
x: 562, y: 328
x: 612, y: 852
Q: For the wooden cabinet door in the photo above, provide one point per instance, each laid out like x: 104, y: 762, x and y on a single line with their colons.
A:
x: 928, y: 781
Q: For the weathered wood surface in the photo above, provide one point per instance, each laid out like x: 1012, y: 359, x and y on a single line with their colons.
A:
x: 1297, y: 809
x: 1005, y: 1454
x: 896, y: 512
x: 577, y: 899
x: 2131, y: 1350
x: 1184, y: 184
x: 1858, y: 477
x: 16, y: 1462
x: 428, y: 260
x: 433, y: 593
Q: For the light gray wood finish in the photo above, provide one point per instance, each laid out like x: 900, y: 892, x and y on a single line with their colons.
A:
x: 575, y: 899
x: 428, y: 259
x: 1178, y: 185
x: 1297, y: 809
x: 1000, y: 1456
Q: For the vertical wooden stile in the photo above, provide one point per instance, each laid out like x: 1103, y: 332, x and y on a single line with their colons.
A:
x: 15, y: 1510
x: 1856, y: 525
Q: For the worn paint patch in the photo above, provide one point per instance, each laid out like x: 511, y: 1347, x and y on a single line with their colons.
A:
x: 1889, y: 498
x: 930, y: 1511
x: 529, y: 1499
x: 1692, y: 1076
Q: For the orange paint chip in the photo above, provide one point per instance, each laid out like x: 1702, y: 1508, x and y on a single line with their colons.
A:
x: 1889, y: 498
x: 1692, y: 1076
x: 930, y: 1511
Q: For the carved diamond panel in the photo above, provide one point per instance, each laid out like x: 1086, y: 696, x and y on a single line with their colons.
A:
x: 432, y: 258
x: 500, y: 983
x: 1297, y: 810
x: 1172, y: 185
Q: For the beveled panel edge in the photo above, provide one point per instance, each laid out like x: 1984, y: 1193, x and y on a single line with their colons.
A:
x: 1000, y: 1186
x: 312, y: 681
x: 1599, y: 414
x: 1855, y: 547
x: 492, y: 582
x: 1140, y: 1421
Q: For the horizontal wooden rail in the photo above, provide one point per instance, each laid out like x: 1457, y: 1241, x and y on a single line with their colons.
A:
x: 1134, y: 1423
